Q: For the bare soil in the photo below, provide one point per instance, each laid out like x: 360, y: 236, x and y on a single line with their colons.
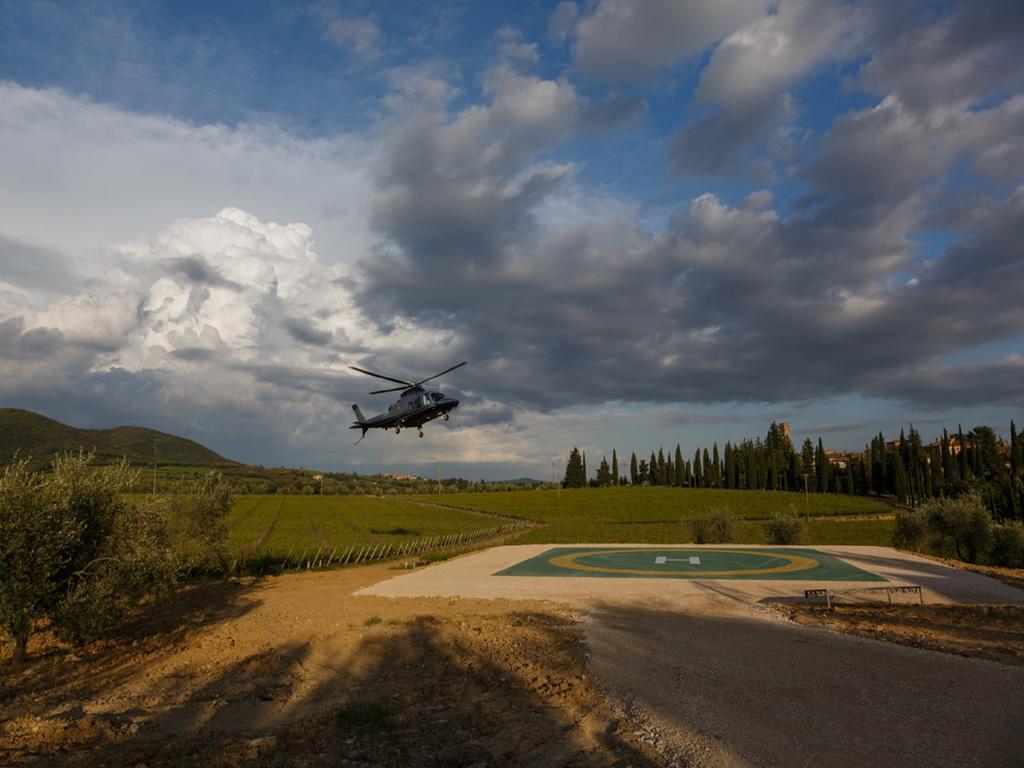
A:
x: 993, y: 632
x: 295, y: 671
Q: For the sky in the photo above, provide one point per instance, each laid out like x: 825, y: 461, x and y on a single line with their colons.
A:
x: 642, y: 222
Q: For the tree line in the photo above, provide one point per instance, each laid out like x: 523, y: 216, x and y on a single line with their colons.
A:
x: 905, y: 469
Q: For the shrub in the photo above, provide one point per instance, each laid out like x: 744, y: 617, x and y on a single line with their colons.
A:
x: 36, y: 534
x: 911, y: 531
x: 783, y: 530
x: 202, y: 515
x: 962, y: 525
x: 73, y: 550
x: 714, y: 529
x: 1008, y: 545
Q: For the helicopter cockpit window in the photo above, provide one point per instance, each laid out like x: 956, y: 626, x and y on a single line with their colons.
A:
x: 436, y: 397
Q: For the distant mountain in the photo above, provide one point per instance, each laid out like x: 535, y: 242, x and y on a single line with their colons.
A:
x: 523, y: 481
x: 36, y: 437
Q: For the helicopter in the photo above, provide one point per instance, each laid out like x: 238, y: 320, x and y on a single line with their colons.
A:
x: 414, y: 407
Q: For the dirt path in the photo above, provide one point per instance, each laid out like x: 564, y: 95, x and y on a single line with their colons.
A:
x: 296, y: 671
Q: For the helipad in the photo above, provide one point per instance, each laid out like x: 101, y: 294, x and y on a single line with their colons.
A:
x: 696, y: 563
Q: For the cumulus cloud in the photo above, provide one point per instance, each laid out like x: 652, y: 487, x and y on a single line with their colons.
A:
x: 948, y: 61
x: 772, y: 53
x: 633, y: 39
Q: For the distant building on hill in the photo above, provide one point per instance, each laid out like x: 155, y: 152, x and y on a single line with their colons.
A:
x: 839, y: 458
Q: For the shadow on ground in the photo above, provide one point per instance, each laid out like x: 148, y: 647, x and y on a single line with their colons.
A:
x: 506, y: 690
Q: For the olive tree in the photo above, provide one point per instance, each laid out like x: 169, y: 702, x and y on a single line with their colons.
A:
x: 201, y: 515
x: 962, y: 525
x: 36, y: 535
x: 75, y: 550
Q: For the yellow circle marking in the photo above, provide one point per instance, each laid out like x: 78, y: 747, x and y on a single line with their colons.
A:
x: 794, y: 563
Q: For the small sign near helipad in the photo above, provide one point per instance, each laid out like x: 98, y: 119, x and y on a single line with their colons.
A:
x: 796, y: 564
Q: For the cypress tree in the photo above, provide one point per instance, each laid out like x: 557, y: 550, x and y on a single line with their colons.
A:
x: 821, y: 464
x: 585, y: 476
x: 662, y: 473
x: 615, y: 468
x: 1016, y: 450
x: 652, y: 471
x: 680, y: 479
x: 849, y: 476
x: 716, y: 463
x: 900, y: 478
x: 634, y: 473
x: 807, y: 459
x: 574, y: 477
x: 965, y: 472
x: 698, y: 474
x: 708, y: 471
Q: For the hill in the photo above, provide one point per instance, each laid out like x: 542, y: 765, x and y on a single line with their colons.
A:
x: 39, y: 438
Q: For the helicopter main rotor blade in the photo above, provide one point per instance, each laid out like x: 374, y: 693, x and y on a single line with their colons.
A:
x: 405, y: 384
x: 442, y: 373
x: 393, y: 389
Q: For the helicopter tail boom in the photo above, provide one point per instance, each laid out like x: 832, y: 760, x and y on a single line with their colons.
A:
x: 359, y: 415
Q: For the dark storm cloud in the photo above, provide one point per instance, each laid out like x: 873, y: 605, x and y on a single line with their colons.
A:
x: 304, y: 332
x: 947, y: 386
x: 197, y: 270
x: 194, y: 354
x: 724, y: 305
x: 17, y: 343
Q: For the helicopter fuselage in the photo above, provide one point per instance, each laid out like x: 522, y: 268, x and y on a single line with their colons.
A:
x: 414, y: 408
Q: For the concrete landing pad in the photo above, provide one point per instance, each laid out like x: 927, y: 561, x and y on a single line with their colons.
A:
x: 477, y: 575
x: 690, y: 563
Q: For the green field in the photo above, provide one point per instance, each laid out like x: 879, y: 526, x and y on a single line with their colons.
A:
x: 659, y: 515
x: 277, y: 526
